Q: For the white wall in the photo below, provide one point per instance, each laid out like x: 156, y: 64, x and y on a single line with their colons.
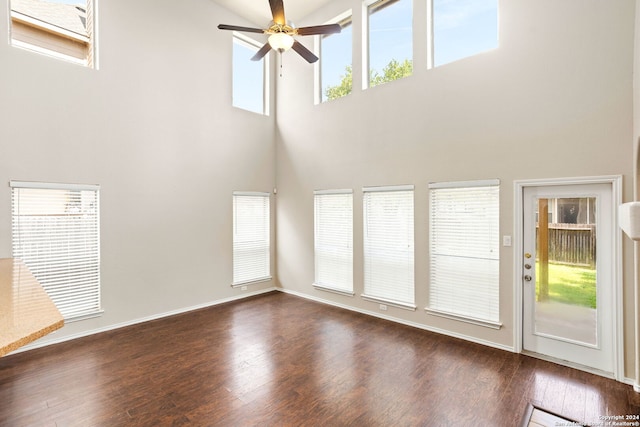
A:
x: 636, y: 142
x: 155, y: 128
x: 554, y: 100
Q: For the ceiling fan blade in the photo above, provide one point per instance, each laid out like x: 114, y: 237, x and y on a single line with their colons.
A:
x: 277, y: 11
x: 238, y: 28
x: 262, y: 52
x: 319, y: 29
x: 304, y: 52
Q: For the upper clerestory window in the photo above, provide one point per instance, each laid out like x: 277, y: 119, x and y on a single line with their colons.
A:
x: 63, y: 29
x: 463, y: 28
x: 335, y: 77
x: 390, y: 39
x: 250, y: 78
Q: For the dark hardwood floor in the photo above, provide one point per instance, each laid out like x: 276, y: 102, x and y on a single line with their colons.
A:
x: 281, y: 360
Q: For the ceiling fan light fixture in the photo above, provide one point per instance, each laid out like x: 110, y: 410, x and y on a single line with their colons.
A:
x: 280, y: 41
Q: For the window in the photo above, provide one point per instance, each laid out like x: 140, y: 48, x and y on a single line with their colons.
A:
x: 63, y: 29
x: 463, y: 28
x: 251, y: 238
x: 249, y: 77
x: 56, y: 233
x: 335, y: 75
x: 334, y: 240
x: 390, y: 41
x: 464, y: 244
x: 388, y: 245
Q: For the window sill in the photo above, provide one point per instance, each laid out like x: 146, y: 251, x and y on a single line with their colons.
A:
x: 466, y: 319
x: 251, y: 282
x: 398, y: 304
x: 332, y: 290
x: 86, y: 316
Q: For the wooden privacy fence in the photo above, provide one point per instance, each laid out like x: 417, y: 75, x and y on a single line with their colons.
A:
x: 572, y: 244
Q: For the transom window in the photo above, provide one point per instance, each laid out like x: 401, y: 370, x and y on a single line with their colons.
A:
x: 62, y: 29
x: 250, y: 91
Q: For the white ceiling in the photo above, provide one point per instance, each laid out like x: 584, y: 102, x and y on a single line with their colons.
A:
x: 259, y: 12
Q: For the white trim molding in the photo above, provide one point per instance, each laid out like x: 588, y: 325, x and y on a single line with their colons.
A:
x: 401, y: 321
x: 38, y: 344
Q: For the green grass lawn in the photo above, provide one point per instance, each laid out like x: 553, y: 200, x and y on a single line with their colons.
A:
x: 571, y: 284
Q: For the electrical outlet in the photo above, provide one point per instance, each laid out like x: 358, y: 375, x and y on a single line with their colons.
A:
x: 383, y: 307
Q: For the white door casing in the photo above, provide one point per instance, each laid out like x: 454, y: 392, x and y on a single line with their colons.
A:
x: 597, y: 345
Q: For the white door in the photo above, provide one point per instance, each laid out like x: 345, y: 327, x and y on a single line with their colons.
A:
x: 568, y: 276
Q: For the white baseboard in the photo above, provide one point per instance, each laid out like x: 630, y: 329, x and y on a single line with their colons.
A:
x: 636, y: 387
x: 401, y: 321
x: 244, y: 295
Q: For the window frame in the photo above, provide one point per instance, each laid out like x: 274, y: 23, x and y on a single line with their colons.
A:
x: 241, y: 263
x: 372, y: 291
x: 492, y: 227
x: 61, y: 248
x: 342, y: 237
x: 91, y: 39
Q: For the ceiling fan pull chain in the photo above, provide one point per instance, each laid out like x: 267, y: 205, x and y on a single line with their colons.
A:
x: 280, y: 54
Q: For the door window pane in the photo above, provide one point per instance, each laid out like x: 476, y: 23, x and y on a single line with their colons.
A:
x: 566, y: 303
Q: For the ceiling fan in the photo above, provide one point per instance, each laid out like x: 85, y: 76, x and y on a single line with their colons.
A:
x: 281, y: 34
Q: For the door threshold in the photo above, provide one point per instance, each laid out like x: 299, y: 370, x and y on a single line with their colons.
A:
x: 569, y: 364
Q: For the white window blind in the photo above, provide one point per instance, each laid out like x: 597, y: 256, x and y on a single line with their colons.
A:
x: 464, y: 245
x: 334, y: 240
x: 56, y: 233
x: 388, y: 245
x: 251, y: 238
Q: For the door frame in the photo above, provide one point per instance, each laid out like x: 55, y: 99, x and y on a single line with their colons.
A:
x: 615, y: 181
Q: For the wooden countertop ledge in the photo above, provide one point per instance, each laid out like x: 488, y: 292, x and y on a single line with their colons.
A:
x: 26, y: 311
